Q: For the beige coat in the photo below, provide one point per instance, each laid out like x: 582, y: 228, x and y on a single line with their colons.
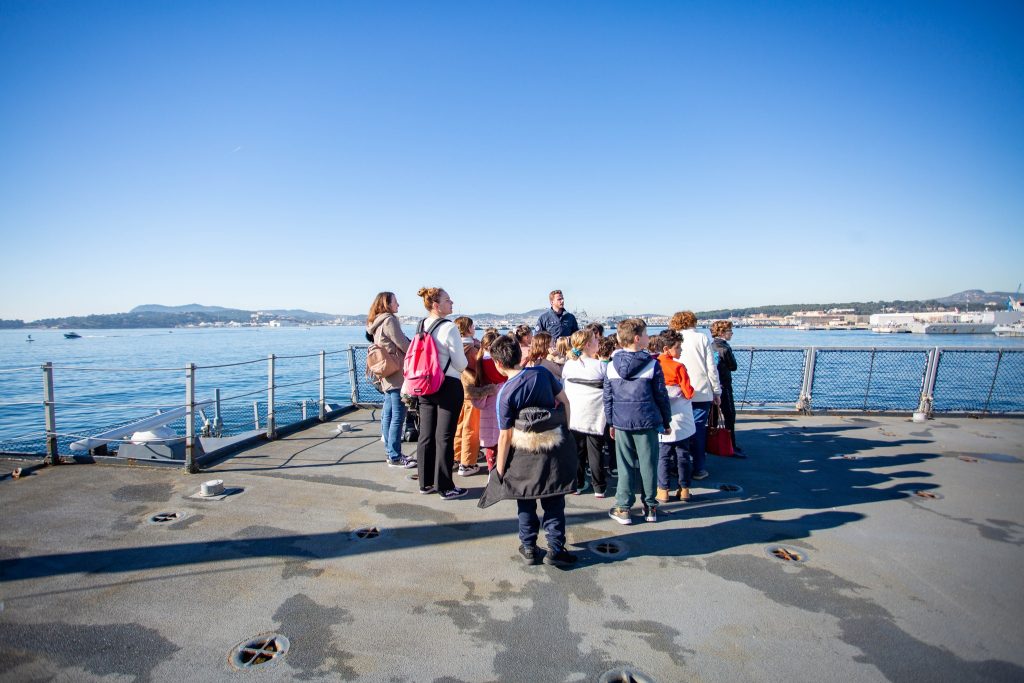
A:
x: 387, y: 333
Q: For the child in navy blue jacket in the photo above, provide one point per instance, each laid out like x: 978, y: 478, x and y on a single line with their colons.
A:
x: 637, y: 407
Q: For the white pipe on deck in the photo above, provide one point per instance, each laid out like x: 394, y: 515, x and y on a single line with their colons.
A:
x: 157, y: 420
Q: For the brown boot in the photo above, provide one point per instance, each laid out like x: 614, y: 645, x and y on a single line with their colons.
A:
x: 662, y: 495
x: 684, y: 494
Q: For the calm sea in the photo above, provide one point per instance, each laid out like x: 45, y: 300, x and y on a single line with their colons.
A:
x: 107, y: 377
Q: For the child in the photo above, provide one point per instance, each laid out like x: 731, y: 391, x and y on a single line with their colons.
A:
x: 540, y: 348
x: 488, y: 378
x: 583, y: 377
x: 637, y: 408
x: 467, y: 434
x: 536, y: 458
x: 673, y: 456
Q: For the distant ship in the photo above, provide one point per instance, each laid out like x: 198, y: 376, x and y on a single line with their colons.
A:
x: 72, y: 335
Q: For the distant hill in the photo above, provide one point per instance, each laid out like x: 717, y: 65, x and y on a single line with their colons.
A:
x: 975, y: 296
x: 240, y: 314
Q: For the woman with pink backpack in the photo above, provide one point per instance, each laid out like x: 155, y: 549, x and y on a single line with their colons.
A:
x: 433, y: 367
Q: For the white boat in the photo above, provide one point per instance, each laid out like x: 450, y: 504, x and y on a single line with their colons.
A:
x: 1014, y: 330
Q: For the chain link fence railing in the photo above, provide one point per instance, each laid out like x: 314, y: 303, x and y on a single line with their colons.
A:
x: 88, y: 410
x: 767, y: 378
x: 979, y: 380
x: 868, y: 380
x: 85, y: 404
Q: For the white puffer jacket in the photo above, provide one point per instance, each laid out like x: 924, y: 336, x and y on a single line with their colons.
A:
x: 583, y: 383
x: 681, y: 424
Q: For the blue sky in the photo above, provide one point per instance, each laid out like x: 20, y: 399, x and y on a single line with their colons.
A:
x: 641, y: 156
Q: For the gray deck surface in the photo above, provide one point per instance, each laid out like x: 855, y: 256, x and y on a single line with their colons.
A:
x: 896, y: 587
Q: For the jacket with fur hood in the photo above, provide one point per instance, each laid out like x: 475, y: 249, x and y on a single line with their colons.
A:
x: 541, y: 462
x: 387, y: 333
x: 583, y: 382
x: 635, y: 398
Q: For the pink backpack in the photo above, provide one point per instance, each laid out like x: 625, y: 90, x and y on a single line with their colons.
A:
x: 423, y: 373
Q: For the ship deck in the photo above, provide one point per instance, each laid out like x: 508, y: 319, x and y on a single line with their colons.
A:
x: 892, y: 586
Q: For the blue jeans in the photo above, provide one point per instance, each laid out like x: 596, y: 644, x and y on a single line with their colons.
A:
x: 699, y: 441
x: 392, y: 420
x: 554, y: 522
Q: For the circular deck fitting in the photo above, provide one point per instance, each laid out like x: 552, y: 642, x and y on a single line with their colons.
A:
x: 625, y: 674
x: 214, y: 487
x: 166, y: 517
x: 928, y: 495
x: 609, y: 548
x: 786, y: 553
x: 365, y: 533
x: 967, y: 458
x: 259, y: 651
x: 729, y: 488
x: 413, y: 477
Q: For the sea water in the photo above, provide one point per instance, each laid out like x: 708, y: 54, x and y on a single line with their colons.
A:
x: 113, y: 377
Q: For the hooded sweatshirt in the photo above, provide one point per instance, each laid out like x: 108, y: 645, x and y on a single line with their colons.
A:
x: 387, y: 333
x: 635, y: 398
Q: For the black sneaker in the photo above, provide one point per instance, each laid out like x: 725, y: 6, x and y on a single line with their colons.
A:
x: 454, y: 493
x: 529, y: 553
x: 428, y: 489
x: 560, y: 559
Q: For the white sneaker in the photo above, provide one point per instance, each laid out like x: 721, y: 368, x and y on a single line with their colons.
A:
x: 468, y: 471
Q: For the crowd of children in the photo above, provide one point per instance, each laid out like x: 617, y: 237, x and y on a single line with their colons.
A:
x: 557, y: 417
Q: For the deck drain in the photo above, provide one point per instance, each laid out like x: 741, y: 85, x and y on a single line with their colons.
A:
x: 259, y: 651
x: 609, y: 548
x: 928, y: 495
x: 366, y: 533
x: 730, y: 488
x: 967, y: 458
x: 166, y: 517
x: 413, y: 477
x: 625, y: 675
x: 786, y: 554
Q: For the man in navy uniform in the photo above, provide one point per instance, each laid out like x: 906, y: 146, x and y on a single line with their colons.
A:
x: 557, y: 321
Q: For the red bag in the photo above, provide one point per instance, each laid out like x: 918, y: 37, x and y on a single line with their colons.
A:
x: 719, y: 437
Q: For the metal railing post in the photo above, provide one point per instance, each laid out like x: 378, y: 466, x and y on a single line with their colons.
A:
x: 256, y: 414
x: 352, y: 375
x: 52, y: 456
x: 746, y: 383
x: 271, y: 431
x: 931, y: 371
x: 323, y: 386
x: 190, y: 423
x: 218, y: 421
x: 871, y: 373
x: 995, y: 375
x: 804, y: 403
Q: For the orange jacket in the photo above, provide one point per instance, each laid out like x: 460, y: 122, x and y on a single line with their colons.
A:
x: 675, y: 374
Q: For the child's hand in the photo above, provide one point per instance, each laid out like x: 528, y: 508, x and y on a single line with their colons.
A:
x: 611, y: 432
x: 666, y: 431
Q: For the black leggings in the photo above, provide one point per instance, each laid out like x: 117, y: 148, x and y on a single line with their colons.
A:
x: 439, y: 418
x: 588, y: 450
x: 729, y: 413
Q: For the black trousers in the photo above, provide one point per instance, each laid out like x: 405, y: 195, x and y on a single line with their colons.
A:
x: 729, y: 412
x: 439, y: 418
x: 588, y: 450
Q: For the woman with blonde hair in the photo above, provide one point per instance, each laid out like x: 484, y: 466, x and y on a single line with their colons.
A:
x: 439, y: 412
x: 383, y: 327
x: 699, y: 359
x: 583, y: 380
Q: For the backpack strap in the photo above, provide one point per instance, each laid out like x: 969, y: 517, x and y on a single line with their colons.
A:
x: 433, y: 327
